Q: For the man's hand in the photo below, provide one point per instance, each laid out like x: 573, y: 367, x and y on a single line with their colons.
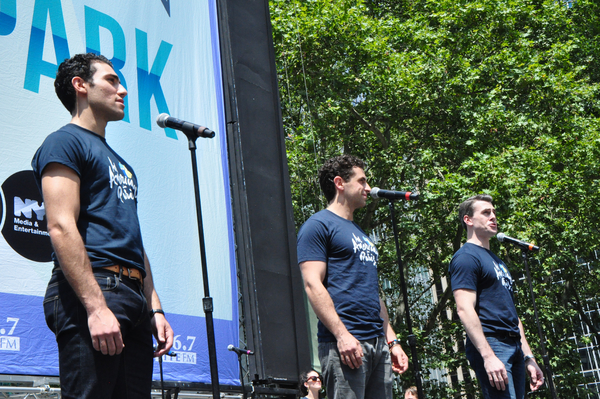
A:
x: 163, y: 333
x: 536, y: 377
x: 106, y: 332
x: 496, y: 372
x: 399, y: 359
x: 351, y: 352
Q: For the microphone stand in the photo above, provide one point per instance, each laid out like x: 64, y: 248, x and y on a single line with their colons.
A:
x: 539, y: 327
x: 412, y: 339
x: 162, y: 380
x: 239, y: 355
x: 207, y: 300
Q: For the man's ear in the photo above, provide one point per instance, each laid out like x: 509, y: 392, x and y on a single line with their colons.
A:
x: 467, y: 220
x: 79, y: 85
x: 338, y: 182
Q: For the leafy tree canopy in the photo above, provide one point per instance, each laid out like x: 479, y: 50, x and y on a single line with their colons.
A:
x: 451, y: 99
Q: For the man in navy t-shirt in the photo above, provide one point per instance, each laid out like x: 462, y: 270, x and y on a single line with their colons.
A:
x: 496, y: 346
x: 100, y: 302
x: 357, y: 346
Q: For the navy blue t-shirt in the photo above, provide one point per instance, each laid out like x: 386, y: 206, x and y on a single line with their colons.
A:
x: 479, y: 269
x: 351, y: 278
x: 108, y: 220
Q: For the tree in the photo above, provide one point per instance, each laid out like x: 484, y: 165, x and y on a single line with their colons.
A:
x: 453, y: 98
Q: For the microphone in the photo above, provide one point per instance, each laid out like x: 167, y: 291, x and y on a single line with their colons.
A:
x: 521, y: 244
x: 189, y: 129
x: 239, y: 351
x: 376, y: 192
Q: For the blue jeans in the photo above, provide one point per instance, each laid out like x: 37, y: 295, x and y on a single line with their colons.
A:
x: 84, y: 372
x: 372, y: 380
x: 508, y: 350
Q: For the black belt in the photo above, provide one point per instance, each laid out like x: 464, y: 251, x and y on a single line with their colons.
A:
x: 503, y: 334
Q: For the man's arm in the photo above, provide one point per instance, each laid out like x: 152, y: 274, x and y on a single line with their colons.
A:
x: 60, y: 190
x: 313, y: 274
x: 465, y: 305
x: 399, y: 358
x: 161, y: 328
x: 536, y: 377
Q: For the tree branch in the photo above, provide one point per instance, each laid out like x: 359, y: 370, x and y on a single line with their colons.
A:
x: 439, y: 307
x: 380, y: 136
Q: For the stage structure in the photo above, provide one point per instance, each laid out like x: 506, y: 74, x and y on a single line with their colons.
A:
x: 187, y: 59
x: 270, y: 280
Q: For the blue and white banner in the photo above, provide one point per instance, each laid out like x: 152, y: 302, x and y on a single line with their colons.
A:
x: 166, y: 53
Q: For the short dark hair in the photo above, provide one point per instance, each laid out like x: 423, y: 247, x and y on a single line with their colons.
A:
x: 466, y: 208
x: 337, y: 166
x: 412, y: 390
x: 80, y: 65
x: 304, y: 379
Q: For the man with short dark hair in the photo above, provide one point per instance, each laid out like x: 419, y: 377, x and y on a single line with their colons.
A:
x: 496, y: 346
x: 358, y: 348
x: 100, y: 301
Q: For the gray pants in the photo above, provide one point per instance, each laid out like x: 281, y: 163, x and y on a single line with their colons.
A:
x: 372, y: 380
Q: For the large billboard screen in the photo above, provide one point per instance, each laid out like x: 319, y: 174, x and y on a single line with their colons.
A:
x: 166, y: 53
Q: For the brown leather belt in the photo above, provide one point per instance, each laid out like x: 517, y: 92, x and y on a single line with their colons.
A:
x: 132, y: 273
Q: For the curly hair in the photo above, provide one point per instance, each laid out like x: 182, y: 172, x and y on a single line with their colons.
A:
x: 304, y: 379
x: 337, y: 166
x: 466, y: 208
x: 80, y: 65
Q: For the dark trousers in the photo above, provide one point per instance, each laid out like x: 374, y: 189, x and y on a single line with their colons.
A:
x: 84, y: 372
x: 508, y: 350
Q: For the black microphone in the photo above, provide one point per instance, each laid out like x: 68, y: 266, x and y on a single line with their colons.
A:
x: 521, y: 244
x: 376, y: 192
x: 190, y: 130
x: 240, y: 351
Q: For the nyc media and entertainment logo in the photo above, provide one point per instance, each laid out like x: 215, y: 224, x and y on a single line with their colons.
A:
x: 25, y: 226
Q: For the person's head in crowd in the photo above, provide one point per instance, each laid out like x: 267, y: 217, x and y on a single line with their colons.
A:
x: 410, y: 393
x: 310, y: 384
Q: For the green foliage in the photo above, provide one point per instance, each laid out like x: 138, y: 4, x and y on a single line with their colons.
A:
x: 453, y: 98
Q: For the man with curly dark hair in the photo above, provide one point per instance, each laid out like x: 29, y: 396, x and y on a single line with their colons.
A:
x: 80, y: 65
x: 100, y: 301
x: 342, y: 166
x: 358, y: 349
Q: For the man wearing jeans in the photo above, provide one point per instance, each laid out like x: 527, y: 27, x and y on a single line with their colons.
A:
x: 357, y: 346
x: 496, y: 346
x: 100, y: 302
